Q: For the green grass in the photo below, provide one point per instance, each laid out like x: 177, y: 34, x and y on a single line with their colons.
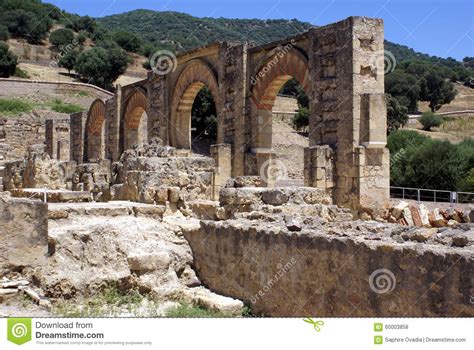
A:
x: 20, y: 73
x: 82, y: 94
x: 189, y: 311
x: 109, y: 302
x: 14, y: 106
x: 61, y: 107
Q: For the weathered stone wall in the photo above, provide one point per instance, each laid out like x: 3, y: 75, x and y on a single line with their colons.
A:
x: 26, y: 87
x: 23, y: 233
x: 37, y: 170
x: 57, y: 139
x: 328, y: 272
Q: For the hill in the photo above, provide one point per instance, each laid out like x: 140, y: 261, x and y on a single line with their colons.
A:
x: 181, y: 32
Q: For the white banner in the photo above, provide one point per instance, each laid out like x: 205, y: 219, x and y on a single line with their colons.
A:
x: 237, y: 333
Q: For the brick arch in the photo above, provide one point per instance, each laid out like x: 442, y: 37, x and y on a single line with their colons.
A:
x: 194, y: 77
x: 134, y: 121
x: 94, y: 138
x: 275, y: 72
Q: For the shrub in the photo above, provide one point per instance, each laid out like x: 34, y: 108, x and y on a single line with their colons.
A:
x: 20, y: 73
x: 61, y: 37
x: 430, y: 120
x: 301, y: 119
x: 421, y: 162
x: 12, y: 107
x: 401, y: 139
x: 8, y: 61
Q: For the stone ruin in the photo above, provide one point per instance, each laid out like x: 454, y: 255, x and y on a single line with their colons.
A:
x: 130, y: 203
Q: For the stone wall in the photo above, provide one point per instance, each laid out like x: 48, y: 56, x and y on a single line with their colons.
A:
x: 57, y: 139
x: 26, y: 87
x: 23, y: 233
x: 330, y: 273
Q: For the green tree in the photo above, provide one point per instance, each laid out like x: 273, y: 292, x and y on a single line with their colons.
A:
x: 61, y: 37
x: 68, y: 60
x: 436, y: 90
x: 27, y: 24
x: 293, y: 88
x: 8, y: 61
x: 404, y: 87
x: 78, y: 23
x: 93, y: 66
x: 203, y: 115
x: 421, y: 162
x: 430, y: 120
x: 301, y: 119
x: 100, y: 66
x: 4, y: 34
x: 128, y: 41
x: 81, y: 37
x: 397, y: 116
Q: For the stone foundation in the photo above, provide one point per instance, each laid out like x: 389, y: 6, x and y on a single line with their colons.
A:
x: 329, y: 272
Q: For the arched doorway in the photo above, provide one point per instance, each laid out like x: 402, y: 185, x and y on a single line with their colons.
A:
x: 281, y: 68
x: 196, y: 78
x: 135, y: 121
x: 95, y: 132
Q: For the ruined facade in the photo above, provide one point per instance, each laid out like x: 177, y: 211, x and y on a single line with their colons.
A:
x: 340, y: 66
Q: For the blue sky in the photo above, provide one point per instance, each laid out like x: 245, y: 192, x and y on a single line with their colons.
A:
x: 437, y: 27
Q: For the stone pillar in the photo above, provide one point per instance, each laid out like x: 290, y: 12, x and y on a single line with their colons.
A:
x: 158, y: 109
x: 108, y: 129
x: 319, y: 167
x: 77, y: 133
x: 347, y: 109
x: 50, y: 138
x: 232, y: 71
x: 113, y: 120
x: 222, y: 154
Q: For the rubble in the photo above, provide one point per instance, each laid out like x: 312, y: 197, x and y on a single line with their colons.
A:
x: 418, y: 215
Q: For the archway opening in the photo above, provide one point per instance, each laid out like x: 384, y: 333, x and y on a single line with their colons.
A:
x: 290, y: 122
x: 277, y: 149
x: 135, y: 128
x: 194, y: 102
x: 95, y: 133
x: 203, y: 122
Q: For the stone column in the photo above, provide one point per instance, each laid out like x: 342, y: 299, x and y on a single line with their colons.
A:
x: 222, y: 154
x: 232, y: 70
x: 347, y: 109
x: 78, y: 126
x: 113, y: 120
x: 158, y: 109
